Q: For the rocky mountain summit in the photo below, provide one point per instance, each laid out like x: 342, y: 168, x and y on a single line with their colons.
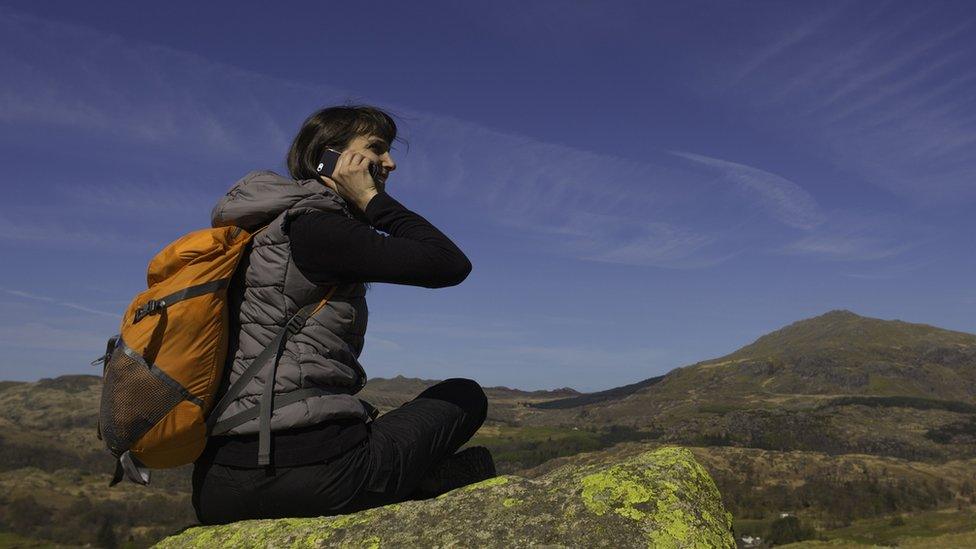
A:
x: 655, y: 498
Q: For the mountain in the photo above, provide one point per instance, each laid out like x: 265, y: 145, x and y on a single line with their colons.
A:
x: 839, y: 382
x: 843, y: 353
x: 836, y: 353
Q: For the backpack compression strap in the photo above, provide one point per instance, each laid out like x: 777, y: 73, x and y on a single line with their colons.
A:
x: 263, y: 411
x: 155, y: 306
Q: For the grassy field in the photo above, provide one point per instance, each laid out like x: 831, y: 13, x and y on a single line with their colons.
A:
x: 517, y: 448
x: 939, y: 528
x: 13, y: 541
x: 889, y: 530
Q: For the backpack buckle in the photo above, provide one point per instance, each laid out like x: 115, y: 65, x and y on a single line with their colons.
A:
x: 113, y: 342
x: 295, y: 325
x: 152, y: 307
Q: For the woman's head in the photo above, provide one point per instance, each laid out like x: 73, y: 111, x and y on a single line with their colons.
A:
x: 337, y: 128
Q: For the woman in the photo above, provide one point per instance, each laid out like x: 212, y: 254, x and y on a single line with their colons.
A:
x: 317, y: 246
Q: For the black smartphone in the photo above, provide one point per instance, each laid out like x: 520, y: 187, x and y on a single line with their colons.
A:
x: 329, y: 159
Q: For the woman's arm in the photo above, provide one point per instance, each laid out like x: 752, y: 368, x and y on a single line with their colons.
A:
x: 329, y: 248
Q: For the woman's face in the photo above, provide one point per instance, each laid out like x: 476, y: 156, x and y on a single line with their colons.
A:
x: 378, y: 151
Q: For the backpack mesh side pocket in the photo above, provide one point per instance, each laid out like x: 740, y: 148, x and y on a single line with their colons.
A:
x: 135, y: 397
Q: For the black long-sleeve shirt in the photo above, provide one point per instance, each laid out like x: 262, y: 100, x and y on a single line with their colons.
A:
x: 330, y: 248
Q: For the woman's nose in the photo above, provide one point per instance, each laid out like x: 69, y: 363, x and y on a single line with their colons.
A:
x: 388, y: 162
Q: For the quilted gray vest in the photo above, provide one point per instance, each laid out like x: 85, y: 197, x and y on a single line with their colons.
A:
x: 317, y: 372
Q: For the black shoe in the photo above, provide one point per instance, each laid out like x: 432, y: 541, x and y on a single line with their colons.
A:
x: 468, y: 466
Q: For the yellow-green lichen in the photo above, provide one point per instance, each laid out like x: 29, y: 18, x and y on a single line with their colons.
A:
x: 679, y: 521
x: 289, y: 532
x: 493, y: 481
x: 615, y: 489
x: 642, y: 489
x: 205, y: 537
x: 345, y: 521
x: 661, y: 498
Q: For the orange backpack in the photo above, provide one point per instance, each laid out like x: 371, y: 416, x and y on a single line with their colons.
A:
x: 162, y: 372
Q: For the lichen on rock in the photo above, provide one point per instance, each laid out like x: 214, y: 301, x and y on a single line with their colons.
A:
x: 658, y: 498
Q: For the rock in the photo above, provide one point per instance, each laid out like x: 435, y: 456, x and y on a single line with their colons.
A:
x: 657, y: 498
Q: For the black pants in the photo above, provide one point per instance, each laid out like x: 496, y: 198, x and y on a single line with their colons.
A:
x: 386, y: 468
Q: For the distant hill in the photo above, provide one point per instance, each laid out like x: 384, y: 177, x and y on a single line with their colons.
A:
x: 402, y: 388
x: 838, y: 382
x: 841, y: 353
x: 599, y: 396
x: 837, y: 353
x: 504, y: 404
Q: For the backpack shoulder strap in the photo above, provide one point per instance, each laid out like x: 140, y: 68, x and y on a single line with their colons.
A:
x: 271, y: 354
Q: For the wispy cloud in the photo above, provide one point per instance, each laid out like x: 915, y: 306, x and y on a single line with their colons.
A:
x: 40, y: 323
x: 881, y: 94
x: 890, y: 102
x: 138, y: 197
x: 103, y: 85
x: 845, y: 247
x: 46, y: 337
x: 593, y: 207
x: 783, y: 199
x: 811, y: 71
x: 59, y: 303
x: 561, y: 199
x: 50, y: 232
x: 616, y: 239
x: 890, y: 71
x: 859, y: 236
x: 81, y: 88
x: 778, y: 47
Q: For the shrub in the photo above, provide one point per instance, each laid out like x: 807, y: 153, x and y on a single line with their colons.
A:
x: 788, y: 530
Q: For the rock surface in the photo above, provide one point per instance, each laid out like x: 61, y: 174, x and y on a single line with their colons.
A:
x: 657, y: 498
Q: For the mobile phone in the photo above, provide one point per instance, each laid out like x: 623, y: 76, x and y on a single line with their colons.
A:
x: 329, y: 159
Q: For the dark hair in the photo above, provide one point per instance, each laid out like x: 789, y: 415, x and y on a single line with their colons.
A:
x: 335, y: 127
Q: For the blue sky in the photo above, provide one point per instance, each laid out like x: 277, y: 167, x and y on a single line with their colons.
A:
x: 638, y: 185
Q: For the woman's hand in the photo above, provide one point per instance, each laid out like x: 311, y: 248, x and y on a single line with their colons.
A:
x: 352, y: 179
